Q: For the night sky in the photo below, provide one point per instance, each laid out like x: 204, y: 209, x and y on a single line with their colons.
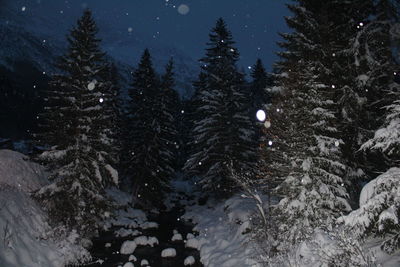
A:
x: 183, y: 25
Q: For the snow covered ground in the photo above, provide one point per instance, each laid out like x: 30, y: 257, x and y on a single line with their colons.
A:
x: 26, y: 239
x: 222, y: 226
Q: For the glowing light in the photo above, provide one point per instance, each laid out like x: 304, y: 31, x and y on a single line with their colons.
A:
x: 337, y: 143
x: 261, y: 116
x: 101, y: 100
x: 130, y: 29
x: 270, y: 143
x: 23, y: 8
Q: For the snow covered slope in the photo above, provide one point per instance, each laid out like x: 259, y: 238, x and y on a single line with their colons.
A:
x: 25, y: 236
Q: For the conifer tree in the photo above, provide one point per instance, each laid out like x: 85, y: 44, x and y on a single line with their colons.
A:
x: 379, y: 211
x: 259, y: 96
x: 222, y: 134
x: 149, y: 158
x: 375, y: 68
x: 76, y: 132
x: 168, y: 114
x: 313, y: 193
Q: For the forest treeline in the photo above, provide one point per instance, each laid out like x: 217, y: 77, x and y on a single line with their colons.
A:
x: 332, y: 125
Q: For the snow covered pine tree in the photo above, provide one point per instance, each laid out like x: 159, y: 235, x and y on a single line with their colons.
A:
x: 76, y: 131
x: 222, y: 132
x: 313, y: 193
x: 151, y: 132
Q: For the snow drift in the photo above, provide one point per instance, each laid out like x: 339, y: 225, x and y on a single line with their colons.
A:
x: 26, y: 237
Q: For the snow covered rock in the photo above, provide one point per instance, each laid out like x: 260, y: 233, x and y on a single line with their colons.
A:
x: 132, y: 258
x: 168, y: 253
x: 152, y: 241
x: 128, y: 247
x: 177, y: 236
x: 128, y: 264
x: 122, y: 232
x: 144, y: 262
x: 141, y: 240
x: 192, y: 243
x: 189, y: 261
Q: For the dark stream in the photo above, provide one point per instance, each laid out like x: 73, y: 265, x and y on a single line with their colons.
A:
x: 168, y: 221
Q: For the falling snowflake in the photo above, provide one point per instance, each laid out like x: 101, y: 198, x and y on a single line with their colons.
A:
x: 23, y: 8
x: 183, y: 9
x: 91, y: 85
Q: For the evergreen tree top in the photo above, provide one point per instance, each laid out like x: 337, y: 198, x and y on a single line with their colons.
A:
x: 220, y: 49
x: 258, y: 70
x: 84, y: 56
x: 144, y: 76
x: 167, y: 80
x: 85, y: 31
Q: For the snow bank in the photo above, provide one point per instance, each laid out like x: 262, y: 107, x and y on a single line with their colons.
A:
x: 222, y: 241
x: 26, y: 239
x: 17, y: 172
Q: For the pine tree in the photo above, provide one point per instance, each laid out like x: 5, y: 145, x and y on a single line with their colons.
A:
x: 222, y: 134
x: 75, y: 131
x: 149, y: 158
x: 259, y: 96
x: 169, y: 104
x: 375, y: 67
x: 379, y: 211
x: 313, y: 193
x: 261, y: 80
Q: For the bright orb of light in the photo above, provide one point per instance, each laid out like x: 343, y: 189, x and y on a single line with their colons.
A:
x: 261, y: 116
x: 183, y: 9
